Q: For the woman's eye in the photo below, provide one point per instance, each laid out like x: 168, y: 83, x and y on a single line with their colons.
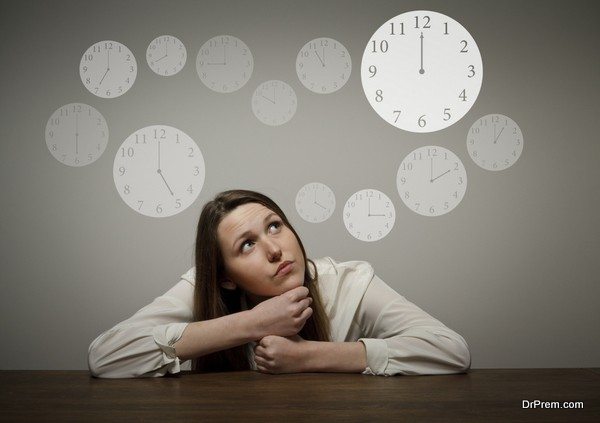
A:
x: 275, y: 225
x: 249, y: 243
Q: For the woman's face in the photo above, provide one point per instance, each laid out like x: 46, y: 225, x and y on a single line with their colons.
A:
x: 255, y: 243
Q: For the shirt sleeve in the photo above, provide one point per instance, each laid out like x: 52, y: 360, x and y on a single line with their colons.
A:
x: 401, y: 338
x: 142, y: 345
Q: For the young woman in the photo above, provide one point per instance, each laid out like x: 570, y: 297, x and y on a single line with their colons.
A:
x: 255, y: 301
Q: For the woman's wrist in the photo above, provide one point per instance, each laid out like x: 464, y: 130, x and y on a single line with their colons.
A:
x: 344, y: 357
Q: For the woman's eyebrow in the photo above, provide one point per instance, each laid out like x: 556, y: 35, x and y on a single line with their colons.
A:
x: 245, y: 234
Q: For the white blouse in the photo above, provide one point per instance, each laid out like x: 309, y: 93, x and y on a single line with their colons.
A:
x: 399, y: 337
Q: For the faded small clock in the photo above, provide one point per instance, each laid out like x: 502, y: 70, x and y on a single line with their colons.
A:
x: 495, y: 142
x: 224, y: 63
x: 108, y: 69
x: 369, y: 215
x: 421, y: 71
x: 323, y: 65
x: 166, y: 55
x: 274, y: 102
x: 76, y: 134
x: 315, y: 202
x: 431, y: 181
x: 159, y: 171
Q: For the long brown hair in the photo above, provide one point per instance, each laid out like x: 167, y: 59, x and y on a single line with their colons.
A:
x: 211, y: 300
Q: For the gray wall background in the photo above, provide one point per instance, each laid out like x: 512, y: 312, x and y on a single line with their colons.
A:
x: 514, y: 268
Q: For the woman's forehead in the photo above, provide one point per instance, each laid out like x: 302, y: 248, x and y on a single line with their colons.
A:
x: 241, y: 218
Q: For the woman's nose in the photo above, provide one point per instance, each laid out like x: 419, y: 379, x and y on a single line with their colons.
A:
x: 273, y: 251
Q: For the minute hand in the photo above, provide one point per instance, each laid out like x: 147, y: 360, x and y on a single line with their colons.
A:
x: 440, y: 175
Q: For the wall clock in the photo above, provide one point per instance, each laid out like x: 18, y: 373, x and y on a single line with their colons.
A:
x: 76, y: 134
x: 224, y: 64
x: 274, y: 102
x: 159, y: 171
x: 315, y: 202
x: 166, y: 55
x: 108, y: 69
x: 369, y: 215
x: 323, y: 65
x: 421, y: 71
x: 495, y: 142
x: 431, y: 181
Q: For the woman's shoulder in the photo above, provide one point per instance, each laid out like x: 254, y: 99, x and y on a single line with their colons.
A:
x: 190, y: 276
x: 353, y: 269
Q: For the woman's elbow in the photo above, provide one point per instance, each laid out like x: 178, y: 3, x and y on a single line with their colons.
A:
x: 462, y: 356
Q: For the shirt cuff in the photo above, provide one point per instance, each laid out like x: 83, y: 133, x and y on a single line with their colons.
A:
x: 165, y: 336
x: 377, y: 356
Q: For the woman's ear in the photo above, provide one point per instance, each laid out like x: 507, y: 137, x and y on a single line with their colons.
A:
x: 228, y: 284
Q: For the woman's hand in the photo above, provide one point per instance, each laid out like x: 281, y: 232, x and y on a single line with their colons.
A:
x: 283, y: 315
x: 277, y: 354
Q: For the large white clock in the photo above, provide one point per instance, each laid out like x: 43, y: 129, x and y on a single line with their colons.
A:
x: 323, y: 65
x: 274, y: 102
x: 369, y: 215
x: 166, y: 55
x: 76, y: 134
x: 495, y: 142
x: 431, y: 180
x: 315, y: 202
x: 224, y: 64
x: 421, y: 71
x: 159, y: 171
x: 108, y: 69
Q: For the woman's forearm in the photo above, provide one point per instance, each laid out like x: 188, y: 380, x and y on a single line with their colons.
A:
x: 344, y: 357
x: 208, y: 336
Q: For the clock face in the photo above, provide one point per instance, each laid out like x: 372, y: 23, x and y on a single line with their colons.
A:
x: 315, y: 202
x: 274, y: 102
x: 159, y: 171
x: 224, y: 63
x: 369, y: 215
x: 323, y: 65
x: 76, y: 134
x: 166, y: 55
x: 431, y: 181
x: 421, y: 71
x: 108, y: 69
x: 495, y: 142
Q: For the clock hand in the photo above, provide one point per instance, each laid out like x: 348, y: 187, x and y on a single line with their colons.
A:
x: 323, y: 56
x: 421, y: 71
x: 165, y: 181
x: 323, y: 63
x: 369, y: 207
x: 159, y: 171
x: 160, y: 58
x: 224, y: 54
x: 267, y: 99
x: 76, y: 134
x: 100, y: 83
x: 496, y: 138
x: 440, y: 175
x: 431, y: 172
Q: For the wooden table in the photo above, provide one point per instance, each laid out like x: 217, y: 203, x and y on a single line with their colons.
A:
x: 479, y: 396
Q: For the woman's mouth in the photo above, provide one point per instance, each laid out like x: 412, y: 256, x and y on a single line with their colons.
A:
x: 284, y: 268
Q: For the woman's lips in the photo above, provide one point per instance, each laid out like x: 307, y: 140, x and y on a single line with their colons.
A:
x: 287, y: 268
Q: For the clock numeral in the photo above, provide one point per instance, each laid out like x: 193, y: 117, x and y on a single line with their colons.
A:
x: 122, y: 170
x: 378, y: 96
x: 431, y: 210
x: 130, y: 152
x: 162, y: 135
x: 190, y: 190
x: 383, y: 46
x: 397, y: 116
x: 464, y: 48
x: 88, y: 57
x: 422, y: 122
x: 430, y: 150
x: 446, y: 205
x: 403, y: 180
x: 196, y: 170
x: 373, y: 70
x: 191, y: 152
x: 406, y: 166
x: 425, y: 18
x: 406, y: 195
x: 460, y: 179
x: 177, y: 203
x: 447, y: 114
x: 141, y: 204
x: 137, y: 140
x: 472, y: 70
x: 418, y: 205
x: 463, y: 95
x: 159, y: 209
x: 126, y: 190
x: 446, y: 28
x: 401, y: 28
